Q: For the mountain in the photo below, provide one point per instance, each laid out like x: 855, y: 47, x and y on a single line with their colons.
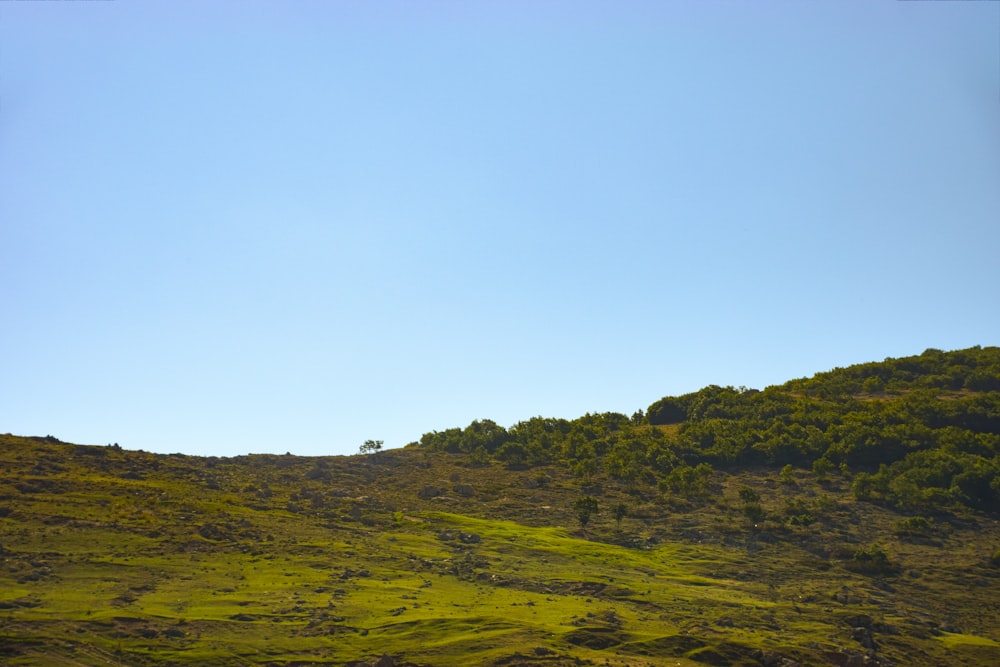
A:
x: 849, y: 518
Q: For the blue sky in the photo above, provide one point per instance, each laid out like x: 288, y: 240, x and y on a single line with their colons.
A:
x: 233, y: 227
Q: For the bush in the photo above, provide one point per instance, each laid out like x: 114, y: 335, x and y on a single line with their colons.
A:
x: 787, y: 475
x: 687, y: 481
x: 872, y: 560
x: 667, y: 410
x: 914, y: 525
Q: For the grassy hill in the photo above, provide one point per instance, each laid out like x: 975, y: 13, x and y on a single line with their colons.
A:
x: 845, y: 519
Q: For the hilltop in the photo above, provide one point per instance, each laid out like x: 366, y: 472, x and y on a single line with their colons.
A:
x: 849, y: 518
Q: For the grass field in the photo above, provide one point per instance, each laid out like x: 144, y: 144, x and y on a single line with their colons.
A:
x: 112, y: 557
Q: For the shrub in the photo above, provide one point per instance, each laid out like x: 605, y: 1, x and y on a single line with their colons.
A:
x: 787, y: 474
x: 687, y: 481
x: 667, y: 410
x: 872, y: 560
x: 585, y: 507
x: 821, y: 467
x: 914, y: 525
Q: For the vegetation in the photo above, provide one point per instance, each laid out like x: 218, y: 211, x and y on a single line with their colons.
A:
x: 585, y: 508
x: 921, y: 432
x: 370, y: 447
x: 847, y: 518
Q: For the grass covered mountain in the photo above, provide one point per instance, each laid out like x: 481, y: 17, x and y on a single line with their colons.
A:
x: 845, y: 519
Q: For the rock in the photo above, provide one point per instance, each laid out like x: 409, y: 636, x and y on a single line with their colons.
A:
x: 463, y: 490
x: 859, y: 621
x: 428, y: 492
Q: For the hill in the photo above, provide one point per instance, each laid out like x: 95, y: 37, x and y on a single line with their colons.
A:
x: 849, y: 518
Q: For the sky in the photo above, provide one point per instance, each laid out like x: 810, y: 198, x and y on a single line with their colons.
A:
x: 293, y: 226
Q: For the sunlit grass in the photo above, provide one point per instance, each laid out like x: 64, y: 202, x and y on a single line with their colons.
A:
x: 953, y: 639
x: 167, y: 570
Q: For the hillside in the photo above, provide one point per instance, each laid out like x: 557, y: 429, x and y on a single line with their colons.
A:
x: 849, y: 518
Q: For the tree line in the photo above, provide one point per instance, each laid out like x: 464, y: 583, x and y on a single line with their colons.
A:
x: 919, y: 432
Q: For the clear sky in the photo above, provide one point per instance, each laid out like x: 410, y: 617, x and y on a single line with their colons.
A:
x: 270, y: 226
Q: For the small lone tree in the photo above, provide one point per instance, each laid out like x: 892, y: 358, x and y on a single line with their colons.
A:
x: 752, y: 508
x: 621, y: 511
x: 585, y: 507
x: 371, y: 447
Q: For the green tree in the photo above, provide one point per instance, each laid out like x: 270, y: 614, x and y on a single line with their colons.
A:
x: 585, y: 507
x: 667, y: 410
x: 483, y: 433
x: 621, y: 511
x: 585, y: 468
x: 513, y: 454
x: 479, y: 456
x: 752, y: 508
x: 371, y: 447
x: 687, y: 481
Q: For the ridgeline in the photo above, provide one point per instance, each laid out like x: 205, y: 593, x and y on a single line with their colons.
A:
x: 845, y: 519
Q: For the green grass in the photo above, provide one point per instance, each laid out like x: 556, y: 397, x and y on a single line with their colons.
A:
x: 954, y: 639
x: 99, y: 568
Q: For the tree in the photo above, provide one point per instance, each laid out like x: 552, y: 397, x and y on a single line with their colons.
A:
x: 479, y: 456
x: 621, y: 511
x: 585, y: 507
x: 371, y: 447
x: 585, y: 468
x: 667, y: 410
x: 483, y: 433
x: 751, y: 505
x: 513, y: 454
x: 688, y: 481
